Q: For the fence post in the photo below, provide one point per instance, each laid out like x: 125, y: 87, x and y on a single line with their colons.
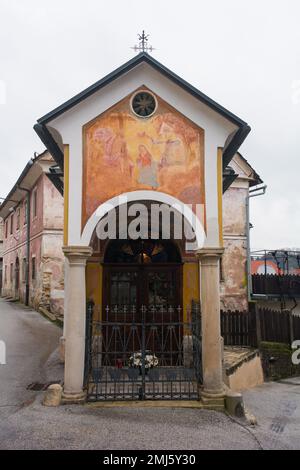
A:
x: 255, y: 318
x: 258, y: 324
x: 88, y: 339
x: 291, y: 325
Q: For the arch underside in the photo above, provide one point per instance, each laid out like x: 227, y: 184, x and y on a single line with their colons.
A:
x: 191, y: 231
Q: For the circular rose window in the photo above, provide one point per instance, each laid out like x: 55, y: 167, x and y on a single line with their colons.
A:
x: 143, y: 104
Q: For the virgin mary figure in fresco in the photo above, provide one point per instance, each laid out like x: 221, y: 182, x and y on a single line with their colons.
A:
x: 146, y: 167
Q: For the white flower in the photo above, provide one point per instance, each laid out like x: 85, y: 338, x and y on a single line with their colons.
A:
x: 136, y: 360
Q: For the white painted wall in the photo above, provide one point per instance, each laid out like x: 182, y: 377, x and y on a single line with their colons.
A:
x: 70, y: 124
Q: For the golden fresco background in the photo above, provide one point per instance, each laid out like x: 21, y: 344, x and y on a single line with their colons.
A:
x: 123, y: 153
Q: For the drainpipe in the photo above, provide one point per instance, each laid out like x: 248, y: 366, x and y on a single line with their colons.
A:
x: 252, y: 193
x: 27, y: 243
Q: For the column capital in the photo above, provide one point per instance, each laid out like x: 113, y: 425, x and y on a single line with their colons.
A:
x: 77, y: 253
x: 210, y: 253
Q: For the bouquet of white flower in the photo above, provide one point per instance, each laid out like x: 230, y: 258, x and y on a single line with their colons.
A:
x: 136, y: 360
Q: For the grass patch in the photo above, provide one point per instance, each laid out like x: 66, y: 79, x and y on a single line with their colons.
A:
x: 276, y: 347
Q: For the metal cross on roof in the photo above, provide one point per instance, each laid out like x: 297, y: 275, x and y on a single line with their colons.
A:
x: 143, y: 43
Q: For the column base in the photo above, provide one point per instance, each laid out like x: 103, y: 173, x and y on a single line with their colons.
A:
x: 213, y: 394
x: 213, y: 403
x: 69, y: 398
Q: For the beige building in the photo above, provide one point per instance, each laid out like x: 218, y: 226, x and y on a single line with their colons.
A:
x: 235, y: 265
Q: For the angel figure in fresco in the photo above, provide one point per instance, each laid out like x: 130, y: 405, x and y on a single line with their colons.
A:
x: 178, y: 137
x: 146, y: 167
x: 115, y: 150
x: 173, y: 154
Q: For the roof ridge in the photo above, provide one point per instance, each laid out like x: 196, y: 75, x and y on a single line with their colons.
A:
x: 126, y: 67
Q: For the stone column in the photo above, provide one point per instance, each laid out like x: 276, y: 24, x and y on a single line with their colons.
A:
x: 211, y: 330
x: 75, y: 290
x: 62, y: 339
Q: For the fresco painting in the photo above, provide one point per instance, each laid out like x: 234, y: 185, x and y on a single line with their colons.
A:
x: 125, y: 153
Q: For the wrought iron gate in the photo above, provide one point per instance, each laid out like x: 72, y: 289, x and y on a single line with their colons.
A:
x: 151, y: 354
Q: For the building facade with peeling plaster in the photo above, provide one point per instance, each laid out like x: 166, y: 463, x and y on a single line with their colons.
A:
x: 38, y: 282
x: 144, y: 134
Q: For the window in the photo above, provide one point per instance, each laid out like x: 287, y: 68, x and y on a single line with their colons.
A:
x: 5, y: 274
x: 11, y: 224
x: 24, y: 270
x: 143, y: 104
x: 18, y: 219
x: 25, y: 212
x: 6, y: 228
x: 34, y: 203
x: 11, y: 272
x: 33, y: 269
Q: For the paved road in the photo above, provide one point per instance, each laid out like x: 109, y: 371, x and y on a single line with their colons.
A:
x: 26, y: 424
x: 277, y: 407
x: 30, y: 339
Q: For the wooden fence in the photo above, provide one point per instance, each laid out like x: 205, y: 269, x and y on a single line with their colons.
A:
x: 277, y: 285
x: 249, y: 328
x: 238, y: 328
x: 296, y: 327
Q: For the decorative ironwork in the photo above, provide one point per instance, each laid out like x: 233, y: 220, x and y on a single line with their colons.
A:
x: 280, y: 262
x: 143, y: 45
x: 140, y: 354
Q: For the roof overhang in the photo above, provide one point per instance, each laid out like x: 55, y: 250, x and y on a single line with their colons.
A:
x: 56, y: 177
x: 231, y: 146
x: 229, y: 176
x: 240, y: 169
x: 253, y: 177
x: 27, y: 179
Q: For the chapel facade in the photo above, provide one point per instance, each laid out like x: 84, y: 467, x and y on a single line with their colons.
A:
x: 138, y: 141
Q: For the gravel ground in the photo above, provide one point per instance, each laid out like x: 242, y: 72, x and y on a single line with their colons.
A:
x: 80, y: 427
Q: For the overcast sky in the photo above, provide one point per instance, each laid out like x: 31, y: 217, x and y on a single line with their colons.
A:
x: 244, y: 55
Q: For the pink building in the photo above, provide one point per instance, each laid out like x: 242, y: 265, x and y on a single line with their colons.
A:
x: 1, y: 252
x: 32, y: 214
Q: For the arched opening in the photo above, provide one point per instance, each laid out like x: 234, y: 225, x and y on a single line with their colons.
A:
x: 142, y: 252
x: 141, y: 274
x: 186, y: 212
x: 142, y: 338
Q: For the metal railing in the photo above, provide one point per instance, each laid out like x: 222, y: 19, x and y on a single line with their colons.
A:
x: 275, y: 273
x: 139, y: 354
